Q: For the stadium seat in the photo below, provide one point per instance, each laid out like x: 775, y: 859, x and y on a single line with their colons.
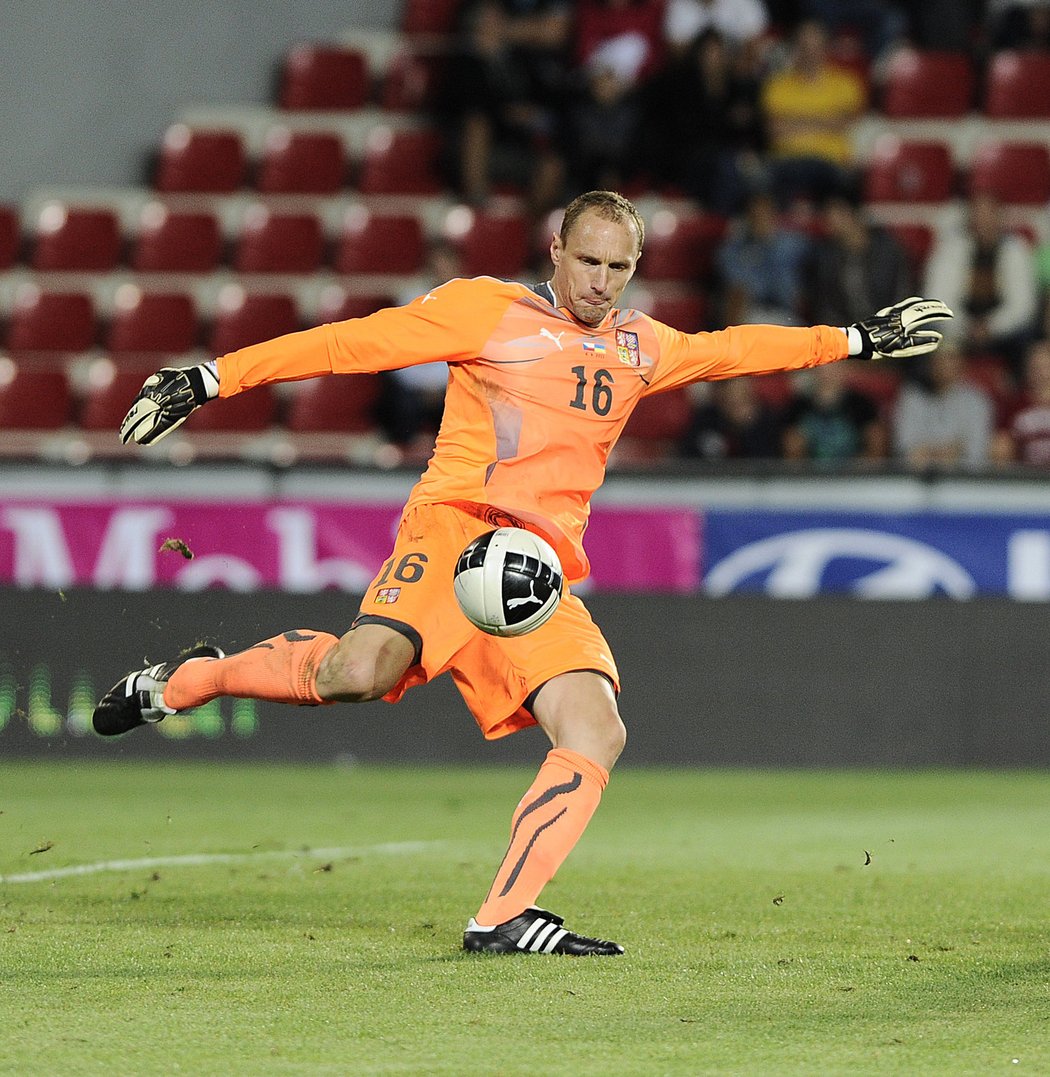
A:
x: 928, y: 85
x: 279, y: 242
x: 378, y: 243
x: 429, y: 16
x: 249, y: 412
x: 200, y: 161
x: 1017, y: 86
x: 685, y: 312
x: 342, y: 404
x: 401, y: 162
x: 413, y: 81
x: 32, y: 397
x: 1015, y: 172
x: 339, y: 304
x: 76, y: 238
x: 681, y: 247
x: 324, y: 77
x: 879, y: 385
x: 301, y: 162
x: 487, y: 243
x: 903, y: 171
x: 109, y: 390
x: 661, y: 417
x: 176, y: 242
x: 151, y: 322
x: 916, y: 239
x: 51, y: 321
x: 244, y: 318
x: 10, y: 237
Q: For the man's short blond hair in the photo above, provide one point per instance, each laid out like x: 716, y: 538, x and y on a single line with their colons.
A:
x: 610, y: 206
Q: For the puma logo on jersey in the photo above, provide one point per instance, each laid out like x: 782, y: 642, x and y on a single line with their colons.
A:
x: 545, y: 332
x: 513, y: 603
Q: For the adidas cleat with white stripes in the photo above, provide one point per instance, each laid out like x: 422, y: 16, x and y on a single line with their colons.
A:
x: 535, y: 931
x: 138, y: 698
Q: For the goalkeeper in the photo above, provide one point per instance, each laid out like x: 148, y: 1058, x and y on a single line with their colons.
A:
x: 541, y: 383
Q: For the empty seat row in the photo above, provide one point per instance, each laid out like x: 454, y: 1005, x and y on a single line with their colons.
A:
x: 216, y: 161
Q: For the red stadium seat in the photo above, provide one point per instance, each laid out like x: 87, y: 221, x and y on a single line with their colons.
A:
x: 51, y: 321
x: 1015, y: 172
x: 488, y: 244
x: 378, y: 243
x: 302, y: 162
x: 413, y: 81
x: 324, y: 77
x: 927, y: 85
x: 244, y: 318
x: 1017, y: 86
x: 429, y: 16
x: 685, y: 312
x: 75, y: 238
x: 661, y: 417
x: 881, y: 386
x: 108, y: 394
x: 338, y: 304
x: 681, y: 247
x: 248, y: 412
x: 279, y: 242
x: 343, y: 404
x: 10, y: 237
x: 170, y: 242
x: 916, y: 239
x: 401, y: 162
x: 151, y: 322
x: 33, y: 398
x: 212, y: 162
x: 902, y: 171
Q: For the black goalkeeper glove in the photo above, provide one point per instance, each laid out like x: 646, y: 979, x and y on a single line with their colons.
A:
x: 166, y: 400
x: 899, y: 332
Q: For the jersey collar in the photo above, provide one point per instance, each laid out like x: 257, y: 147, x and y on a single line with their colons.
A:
x: 546, y: 291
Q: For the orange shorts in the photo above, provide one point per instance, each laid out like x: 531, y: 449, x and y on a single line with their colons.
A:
x: 495, y: 675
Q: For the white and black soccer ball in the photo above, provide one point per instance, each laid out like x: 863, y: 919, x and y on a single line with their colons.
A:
x: 508, y: 582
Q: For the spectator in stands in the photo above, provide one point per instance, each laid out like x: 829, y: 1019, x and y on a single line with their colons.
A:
x: 741, y: 23
x: 732, y: 423
x: 833, y: 422
x: 1019, y: 24
x: 602, y: 124
x: 1026, y: 437
x: 810, y: 106
x: 880, y: 23
x: 704, y: 125
x: 941, y: 419
x: 945, y: 24
x: 987, y: 276
x: 856, y: 265
x: 760, y: 268
x: 503, y: 128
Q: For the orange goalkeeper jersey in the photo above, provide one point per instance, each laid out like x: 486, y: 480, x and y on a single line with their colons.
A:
x: 535, y: 398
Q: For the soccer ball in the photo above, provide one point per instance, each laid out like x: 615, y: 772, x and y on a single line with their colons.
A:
x: 508, y: 581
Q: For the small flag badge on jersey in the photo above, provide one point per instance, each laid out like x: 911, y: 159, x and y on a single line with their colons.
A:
x: 627, y: 348
x: 594, y: 347
x: 387, y: 595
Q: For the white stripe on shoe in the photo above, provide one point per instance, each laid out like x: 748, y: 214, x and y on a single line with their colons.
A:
x: 542, y: 936
x: 523, y: 942
x: 554, y: 940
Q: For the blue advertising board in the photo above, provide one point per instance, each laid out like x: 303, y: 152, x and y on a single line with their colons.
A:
x: 876, y: 555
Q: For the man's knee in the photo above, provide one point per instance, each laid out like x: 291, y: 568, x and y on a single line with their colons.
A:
x: 578, y: 711
x: 366, y: 664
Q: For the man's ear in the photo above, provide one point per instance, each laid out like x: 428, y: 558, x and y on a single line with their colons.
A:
x: 556, y: 248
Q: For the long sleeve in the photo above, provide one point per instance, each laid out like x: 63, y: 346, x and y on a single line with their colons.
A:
x: 450, y: 323
x: 741, y: 349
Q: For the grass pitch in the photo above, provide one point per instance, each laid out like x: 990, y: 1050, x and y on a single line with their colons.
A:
x: 824, y: 923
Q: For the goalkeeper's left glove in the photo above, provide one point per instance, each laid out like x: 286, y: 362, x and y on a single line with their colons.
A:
x: 166, y: 400
x: 899, y: 331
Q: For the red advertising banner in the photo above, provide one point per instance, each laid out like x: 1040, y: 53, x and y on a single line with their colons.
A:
x: 300, y: 546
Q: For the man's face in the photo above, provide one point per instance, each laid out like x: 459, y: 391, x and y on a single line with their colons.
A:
x: 593, y: 265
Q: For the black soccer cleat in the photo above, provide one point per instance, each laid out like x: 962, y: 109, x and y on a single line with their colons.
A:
x: 138, y: 698
x: 535, y: 931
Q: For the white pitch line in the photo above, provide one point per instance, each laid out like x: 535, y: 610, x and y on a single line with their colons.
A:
x: 390, y: 848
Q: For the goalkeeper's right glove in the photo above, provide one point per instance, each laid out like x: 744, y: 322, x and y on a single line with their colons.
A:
x: 166, y: 400
x: 899, y: 331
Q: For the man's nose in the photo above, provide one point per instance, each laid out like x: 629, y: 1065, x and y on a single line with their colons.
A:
x: 600, y: 278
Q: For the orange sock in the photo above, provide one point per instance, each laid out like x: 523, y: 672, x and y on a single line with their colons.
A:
x: 282, y: 669
x: 547, y: 824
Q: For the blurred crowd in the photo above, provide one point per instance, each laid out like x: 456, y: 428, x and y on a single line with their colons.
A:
x: 744, y: 108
